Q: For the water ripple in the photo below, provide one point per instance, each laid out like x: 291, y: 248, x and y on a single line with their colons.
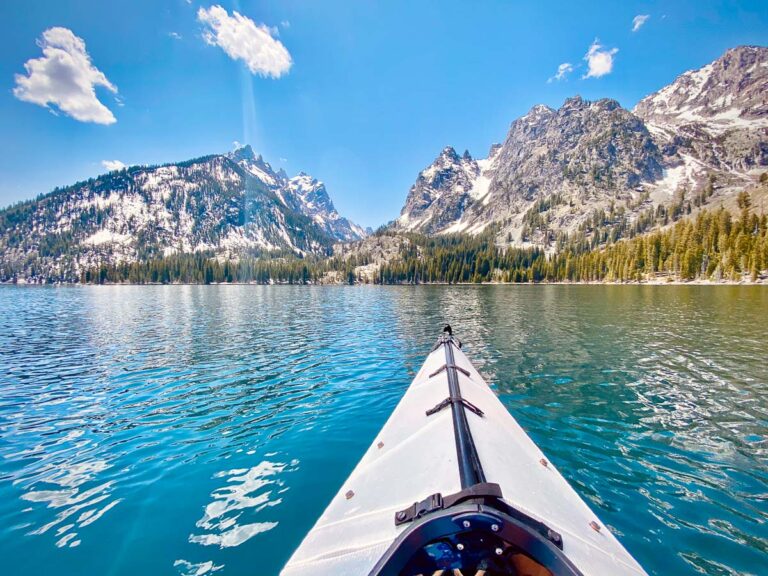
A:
x: 157, y: 429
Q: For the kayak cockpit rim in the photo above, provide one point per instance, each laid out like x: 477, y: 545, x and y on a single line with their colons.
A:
x: 491, y: 538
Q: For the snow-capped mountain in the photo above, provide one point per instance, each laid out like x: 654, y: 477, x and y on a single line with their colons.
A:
x: 730, y: 93
x: 705, y: 135
x: 302, y: 193
x: 232, y: 204
x: 443, y: 190
x: 713, y: 120
x: 314, y: 202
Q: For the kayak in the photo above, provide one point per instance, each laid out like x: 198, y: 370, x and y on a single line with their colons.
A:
x: 452, y: 485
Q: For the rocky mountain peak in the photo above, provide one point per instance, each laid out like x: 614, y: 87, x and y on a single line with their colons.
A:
x: 441, y: 191
x: 573, y: 102
x: 243, y: 153
x: 310, y: 197
x: 303, y: 193
x: 448, y: 154
x: 587, y: 145
x: 727, y: 94
x: 532, y: 122
x: 607, y: 104
x: 255, y: 165
x: 743, y: 57
x: 556, y: 168
x: 540, y: 110
x: 311, y: 190
x: 536, y: 115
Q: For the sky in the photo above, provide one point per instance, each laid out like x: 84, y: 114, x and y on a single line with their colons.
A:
x: 360, y: 94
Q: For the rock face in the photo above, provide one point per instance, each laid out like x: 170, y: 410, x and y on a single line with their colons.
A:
x: 311, y: 198
x: 587, y: 153
x: 557, y: 168
x: 233, y: 204
x: 303, y: 193
x: 730, y: 93
x: 716, y: 117
x: 441, y: 192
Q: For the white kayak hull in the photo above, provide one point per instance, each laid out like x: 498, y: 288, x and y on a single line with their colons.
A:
x: 415, y: 456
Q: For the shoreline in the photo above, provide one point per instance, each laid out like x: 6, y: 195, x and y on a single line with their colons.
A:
x: 656, y: 282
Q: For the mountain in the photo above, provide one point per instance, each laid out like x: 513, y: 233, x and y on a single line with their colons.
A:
x: 714, y: 119
x: 226, y: 205
x: 595, y: 166
x: 442, y: 192
x: 303, y: 194
x: 730, y: 93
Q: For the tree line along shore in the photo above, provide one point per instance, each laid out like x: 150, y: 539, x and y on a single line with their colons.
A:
x: 713, y: 246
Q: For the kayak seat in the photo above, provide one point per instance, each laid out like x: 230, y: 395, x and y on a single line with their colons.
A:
x: 476, y: 538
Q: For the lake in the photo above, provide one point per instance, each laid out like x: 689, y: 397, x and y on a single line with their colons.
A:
x: 203, y: 429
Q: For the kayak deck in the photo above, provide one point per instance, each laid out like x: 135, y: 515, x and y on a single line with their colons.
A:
x: 416, y: 455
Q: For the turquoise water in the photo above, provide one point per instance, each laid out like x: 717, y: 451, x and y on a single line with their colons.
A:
x: 202, y: 429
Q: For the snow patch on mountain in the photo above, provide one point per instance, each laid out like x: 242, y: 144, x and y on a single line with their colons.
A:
x: 107, y: 237
x: 685, y: 176
x: 482, y: 184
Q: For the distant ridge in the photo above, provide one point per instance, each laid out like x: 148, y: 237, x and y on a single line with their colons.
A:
x: 702, y: 139
x: 227, y: 205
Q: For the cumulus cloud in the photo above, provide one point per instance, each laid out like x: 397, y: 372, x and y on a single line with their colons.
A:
x: 599, y: 60
x: 174, y: 35
x: 112, y: 165
x: 65, y: 78
x: 242, y: 39
x: 562, y: 71
x: 638, y: 21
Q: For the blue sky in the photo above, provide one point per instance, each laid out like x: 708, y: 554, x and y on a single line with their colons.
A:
x: 362, y: 95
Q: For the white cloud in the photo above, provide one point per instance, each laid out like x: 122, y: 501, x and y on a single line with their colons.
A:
x: 112, y: 165
x: 562, y: 71
x: 599, y: 60
x: 174, y: 35
x: 285, y: 24
x: 638, y: 21
x: 242, y: 39
x: 66, y: 78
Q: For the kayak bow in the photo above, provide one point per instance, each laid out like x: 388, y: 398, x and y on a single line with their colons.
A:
x: 453, y: 485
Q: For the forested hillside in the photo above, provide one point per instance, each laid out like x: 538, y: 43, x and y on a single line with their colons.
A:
x: 713, y: 245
